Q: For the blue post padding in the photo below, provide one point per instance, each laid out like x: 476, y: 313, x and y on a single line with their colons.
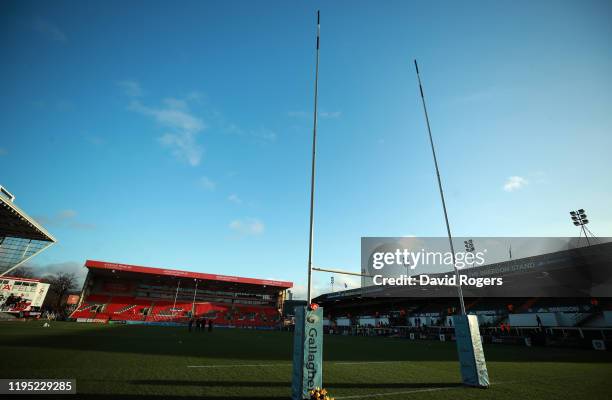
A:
x: 471, y: 355
x: 307, y: 352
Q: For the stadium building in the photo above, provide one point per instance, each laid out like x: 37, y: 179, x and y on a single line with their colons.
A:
x: 567, y: 293
x: 21, y: 238
x: 143, y: 295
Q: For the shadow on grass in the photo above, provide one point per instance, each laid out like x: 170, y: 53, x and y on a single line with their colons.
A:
x: 238, y: 344
x: 331, y: 385
x: 144, y: 397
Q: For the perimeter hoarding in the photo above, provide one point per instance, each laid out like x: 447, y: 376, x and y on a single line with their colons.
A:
x: 307, y: 352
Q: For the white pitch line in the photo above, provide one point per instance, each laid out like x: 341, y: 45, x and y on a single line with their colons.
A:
x: 434, y: 389
x: 361, y: 396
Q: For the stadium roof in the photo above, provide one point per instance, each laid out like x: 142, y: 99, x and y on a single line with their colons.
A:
x: 185, y: 274
x: 578, y: 272
x: 21, y: 237
x: 15, y: 222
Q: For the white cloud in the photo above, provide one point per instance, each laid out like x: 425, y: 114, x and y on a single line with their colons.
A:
x: 184, y: 146
x: 234, y: 199
x: 182, y: 139
x: 64, y: 219
x: 131, y: 88
x: 248, y: 226
x: 53, y: 269
x: 184, y: 126
x: 514, y: 183
x: 207, y: 184
x: 322, y: 284
x: 299, y: 292
x: 49, y: 30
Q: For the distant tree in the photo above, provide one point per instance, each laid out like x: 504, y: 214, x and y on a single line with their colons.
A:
x: 60, y: 285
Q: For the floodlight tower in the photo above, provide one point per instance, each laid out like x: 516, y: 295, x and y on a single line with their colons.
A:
x: 579, y: 218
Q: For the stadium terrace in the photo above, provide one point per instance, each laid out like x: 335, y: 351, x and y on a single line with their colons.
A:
x: 122, y: 293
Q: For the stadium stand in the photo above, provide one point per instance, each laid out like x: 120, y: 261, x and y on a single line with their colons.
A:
x: 133, y: 294
x: 538, y: 319
x: 21, y: 237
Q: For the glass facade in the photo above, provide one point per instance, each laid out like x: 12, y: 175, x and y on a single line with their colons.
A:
x: 14, y: 250
x: 20, y: 236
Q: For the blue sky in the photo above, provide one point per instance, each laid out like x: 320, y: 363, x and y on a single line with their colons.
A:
x: 178, y: 135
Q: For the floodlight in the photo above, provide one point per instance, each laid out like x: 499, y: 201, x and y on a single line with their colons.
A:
x: 469, y: 245
x: 579, y: 217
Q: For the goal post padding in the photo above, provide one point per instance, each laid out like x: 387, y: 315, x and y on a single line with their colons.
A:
x: 307, y: 352
x: 471, y: 355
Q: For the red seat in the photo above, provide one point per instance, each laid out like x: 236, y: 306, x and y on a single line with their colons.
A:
x: 128, y: 308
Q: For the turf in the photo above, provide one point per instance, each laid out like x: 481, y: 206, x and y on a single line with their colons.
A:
x: 133, y: 362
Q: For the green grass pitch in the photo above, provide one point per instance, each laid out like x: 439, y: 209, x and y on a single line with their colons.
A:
x: 132, y: 362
